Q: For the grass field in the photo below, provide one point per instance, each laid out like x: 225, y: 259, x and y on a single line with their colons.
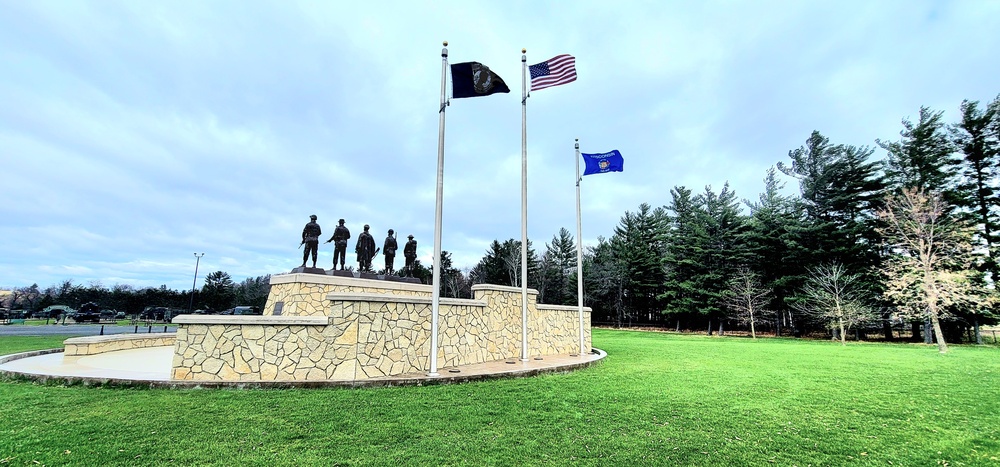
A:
x: 656, y: 399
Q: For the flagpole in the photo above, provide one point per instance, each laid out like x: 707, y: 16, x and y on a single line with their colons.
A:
x: 524, y: 208
x: 579, y: 247
x: 436, y: 281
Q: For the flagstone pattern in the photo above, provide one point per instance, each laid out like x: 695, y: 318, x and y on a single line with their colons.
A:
x: 371, y: 331
x: 92, y: 345
x: 305, y: 294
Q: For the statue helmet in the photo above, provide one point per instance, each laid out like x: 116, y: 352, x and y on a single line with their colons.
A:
x: 312, y: 216
x: 366, y: 226
x: 390, y: 231
x: 409, y: 236
x: 341, y: 221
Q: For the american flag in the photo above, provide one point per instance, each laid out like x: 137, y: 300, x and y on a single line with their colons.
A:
x: 557, y: 70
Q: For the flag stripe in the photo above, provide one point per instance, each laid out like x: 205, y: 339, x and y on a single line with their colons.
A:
x: 557, y: 70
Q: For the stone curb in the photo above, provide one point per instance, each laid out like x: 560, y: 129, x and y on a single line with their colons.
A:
x: 52, y: 380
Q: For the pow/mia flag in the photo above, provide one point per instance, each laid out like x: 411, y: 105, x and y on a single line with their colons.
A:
x: 473, y: 79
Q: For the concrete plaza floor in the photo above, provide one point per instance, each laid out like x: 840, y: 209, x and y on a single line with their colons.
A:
x: 150, y: 367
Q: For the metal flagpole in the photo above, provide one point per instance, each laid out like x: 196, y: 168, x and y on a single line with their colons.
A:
x: 436, y: 295
x: 524, y: 208
x: 579, y: 247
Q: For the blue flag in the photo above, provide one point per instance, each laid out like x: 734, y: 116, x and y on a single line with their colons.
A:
x: 604, y: 162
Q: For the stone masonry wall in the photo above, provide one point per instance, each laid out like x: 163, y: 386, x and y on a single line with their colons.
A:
x: 306, y: 294
x: 91, y: 345
x: 365, y: 334
x: 248, y: 348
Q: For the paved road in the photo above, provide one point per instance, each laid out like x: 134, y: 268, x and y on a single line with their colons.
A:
x: 77, y: 329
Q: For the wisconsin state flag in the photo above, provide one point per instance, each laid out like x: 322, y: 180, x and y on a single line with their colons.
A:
x: 473, y: 79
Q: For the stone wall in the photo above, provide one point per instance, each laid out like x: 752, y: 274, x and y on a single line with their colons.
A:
x: 306, y: 294
x: 366, y: 332
x: 90, y: 345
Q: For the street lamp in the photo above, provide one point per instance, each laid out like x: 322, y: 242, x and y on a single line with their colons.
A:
x: 197, y: 260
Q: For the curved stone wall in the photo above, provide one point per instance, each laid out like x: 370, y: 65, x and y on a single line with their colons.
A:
x: 369, y: 331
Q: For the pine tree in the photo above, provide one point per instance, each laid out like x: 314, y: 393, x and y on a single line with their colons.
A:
x: 219, y: 291
x: 557, y: 267
x: 922, y: 158
x: 841, y: 191
x: 686, y: 236
x: 638, y: 244
x: 773, y: 247
x: 977, y: 136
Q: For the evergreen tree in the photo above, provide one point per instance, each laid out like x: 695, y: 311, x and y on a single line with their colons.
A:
x: 840, y: 192
x: 922, y: 158
x: 724, y: 252
x: 557, y: 269
x: 502, y: 265
x: 773, y: 247
x: 638, y: 242
x: 219, y: 292
x: 604, y: 277
x: 977, y: 136
x: 682, y: 294
x: 702, y: 251
x: 253, y: 291
x: 453, y: 283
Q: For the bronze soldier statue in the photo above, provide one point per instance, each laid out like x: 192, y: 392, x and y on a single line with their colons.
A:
x: 410, y: 253
x: 310, y: 238
x: 340, y: 237
x: 365, y: 248
x: 389, y: 250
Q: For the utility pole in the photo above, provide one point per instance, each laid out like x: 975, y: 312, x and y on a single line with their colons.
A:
x: 197, y: 260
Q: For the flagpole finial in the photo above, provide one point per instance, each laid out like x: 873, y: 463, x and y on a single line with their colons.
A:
x: 523, y: 50
x: 445, y: 43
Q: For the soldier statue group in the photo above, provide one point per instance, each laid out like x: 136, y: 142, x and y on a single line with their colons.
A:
x: 364, y: 248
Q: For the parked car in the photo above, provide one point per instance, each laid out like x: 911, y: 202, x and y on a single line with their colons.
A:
x: 88, y: 313
x: 243, y: 310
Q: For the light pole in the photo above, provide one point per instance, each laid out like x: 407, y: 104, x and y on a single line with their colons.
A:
x: 197, y: 260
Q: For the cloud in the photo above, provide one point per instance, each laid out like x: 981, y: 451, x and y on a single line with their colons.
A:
x: 134, y: 134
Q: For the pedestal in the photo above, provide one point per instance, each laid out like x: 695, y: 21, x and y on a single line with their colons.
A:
x: 408, y: 280
x: 308, y: 270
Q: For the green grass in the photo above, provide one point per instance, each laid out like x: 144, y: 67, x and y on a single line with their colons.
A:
x: 656, y: 399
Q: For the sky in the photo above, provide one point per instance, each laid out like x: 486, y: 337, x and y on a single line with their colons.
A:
x: 135, y: 134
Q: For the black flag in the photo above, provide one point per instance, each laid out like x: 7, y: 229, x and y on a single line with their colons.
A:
x: 473, y: 79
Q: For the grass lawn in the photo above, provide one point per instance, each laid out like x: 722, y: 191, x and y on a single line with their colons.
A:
x: 656, y: 399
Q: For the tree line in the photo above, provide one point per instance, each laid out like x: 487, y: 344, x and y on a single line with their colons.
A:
x: 899, y: 243
x: 218, y: 293
x: 908, y: 241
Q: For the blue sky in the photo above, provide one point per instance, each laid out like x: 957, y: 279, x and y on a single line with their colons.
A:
x: 133, y: 134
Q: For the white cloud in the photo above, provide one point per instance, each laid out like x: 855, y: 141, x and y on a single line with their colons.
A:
x: 133, y: 134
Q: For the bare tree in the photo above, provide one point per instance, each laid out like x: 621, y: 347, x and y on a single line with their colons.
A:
x: 929, y: 269
x: 833, y: 296
x: 747, y: 298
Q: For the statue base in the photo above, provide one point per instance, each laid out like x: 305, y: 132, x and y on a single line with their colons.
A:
x: 367, y: 275
x: 340, y: 273
x: 308, y: 270
x: 409, y: 280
